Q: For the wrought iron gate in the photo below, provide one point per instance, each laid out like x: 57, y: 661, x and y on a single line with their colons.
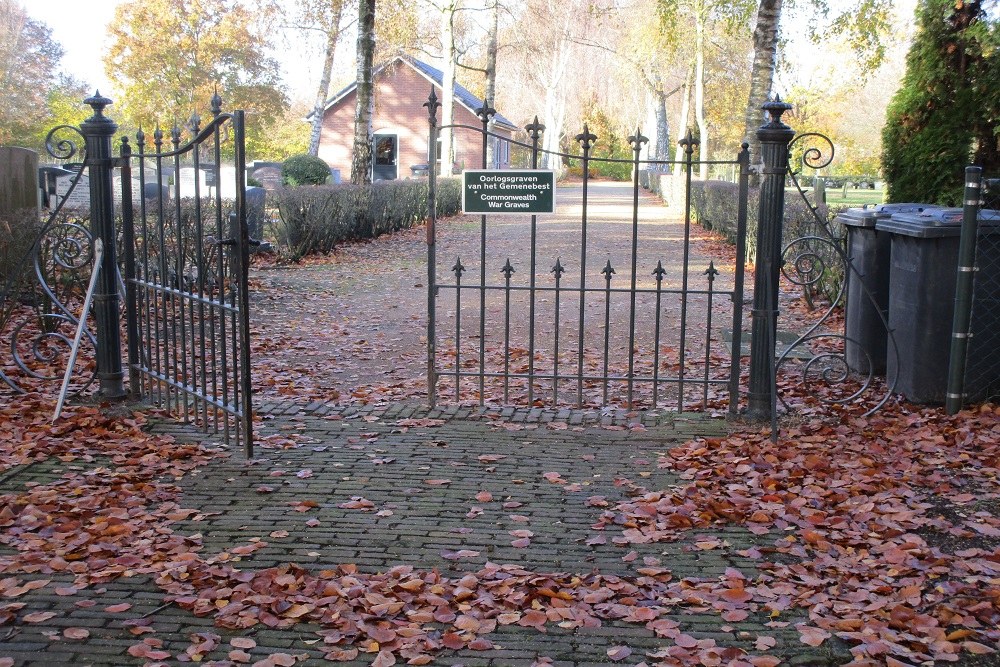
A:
x: 185, y: 254
x: 186, y: 268
x: 587, y: 316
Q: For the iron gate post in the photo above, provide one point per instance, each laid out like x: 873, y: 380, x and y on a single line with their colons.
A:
x: 774, y: 138
x: 432, y: 105
x: 955, y: 396
x: 97, y: 132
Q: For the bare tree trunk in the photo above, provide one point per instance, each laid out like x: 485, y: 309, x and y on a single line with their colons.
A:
x: 662, y: 149
x: 682, y: 120
x: 555, y: 97
x: 323, y: 91
x: 491, y: 76
x: 361, y: 166
x: 699, y: 96
x: 765, y: 47
x: 448, y: 87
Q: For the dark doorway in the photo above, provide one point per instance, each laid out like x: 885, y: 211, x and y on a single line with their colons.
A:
x: 385, y: 154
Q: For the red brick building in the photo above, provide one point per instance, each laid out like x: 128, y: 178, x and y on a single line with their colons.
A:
x: 400, y: 124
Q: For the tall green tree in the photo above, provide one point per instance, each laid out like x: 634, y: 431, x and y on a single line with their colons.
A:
x: 946, y: 114
x: 29, y: 65
x: 169, y: 56
x: 707, y: 17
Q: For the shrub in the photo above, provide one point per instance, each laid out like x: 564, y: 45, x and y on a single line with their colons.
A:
x: 316, y: 219
x: 946, y: 113
x: 714, y: 206
x: 304, y: 169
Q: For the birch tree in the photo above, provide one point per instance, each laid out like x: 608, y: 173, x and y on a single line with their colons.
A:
x: 361, y: 164
x: 863, y: 22
x: 448, y: 63
x: 324, y: 17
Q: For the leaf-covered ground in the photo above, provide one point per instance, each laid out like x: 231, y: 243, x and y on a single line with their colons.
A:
x: 373, y: 531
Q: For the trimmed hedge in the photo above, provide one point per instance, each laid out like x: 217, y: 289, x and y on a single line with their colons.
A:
x: 714, y: 206
x: 315, y: 219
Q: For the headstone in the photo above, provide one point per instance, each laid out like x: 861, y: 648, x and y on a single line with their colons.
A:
x: 268, y: 174
x: 152, y: 191
x: 256, y: 198
x: 19, y: 217
x: 227, y: 182
x: 18, y: 179
x: 47, y: 175
x: 819, y: 190
x: 186, y: 178
x: 78, y: 199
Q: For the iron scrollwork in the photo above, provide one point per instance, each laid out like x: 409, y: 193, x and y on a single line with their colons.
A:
x: 40, y: 301
x: 817, y: 251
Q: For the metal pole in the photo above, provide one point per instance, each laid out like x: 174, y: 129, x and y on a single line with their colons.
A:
x: 774, y: 138
x: 128, y: 249
x: 432, y: 105
x: 97, y: 132
x: 243, y: 262
x: 741, y: 254
x: 960, y: 333
x: 80, y: 326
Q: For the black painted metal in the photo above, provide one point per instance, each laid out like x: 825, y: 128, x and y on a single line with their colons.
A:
x: 804, y: 261
x: 432, y: 105
x: 97, y: 132
x: 187, y: 282
x: 575, y: 351
x: 42, y: 297
x: 774, y: 138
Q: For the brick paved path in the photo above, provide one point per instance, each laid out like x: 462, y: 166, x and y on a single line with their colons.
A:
x: 374, y: 453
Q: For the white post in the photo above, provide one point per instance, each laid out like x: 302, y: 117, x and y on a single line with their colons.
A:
x: 98, y: 256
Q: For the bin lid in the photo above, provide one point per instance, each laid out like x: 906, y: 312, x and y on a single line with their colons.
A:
x: 867, y: 216
x: 934, y: 222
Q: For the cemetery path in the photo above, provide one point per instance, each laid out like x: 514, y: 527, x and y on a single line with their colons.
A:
x: 384, y: 532
x: 352, y: 326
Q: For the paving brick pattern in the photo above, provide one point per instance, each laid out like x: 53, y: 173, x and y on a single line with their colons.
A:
x: 329, y: 455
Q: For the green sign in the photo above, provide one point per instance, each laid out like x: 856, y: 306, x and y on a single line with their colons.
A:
x: 509, y: 191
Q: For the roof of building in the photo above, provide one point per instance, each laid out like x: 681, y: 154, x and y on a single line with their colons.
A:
x: 435, y: 76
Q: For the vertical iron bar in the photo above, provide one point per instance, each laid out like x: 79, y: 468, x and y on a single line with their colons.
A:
x: 160, y: 290
x: 239, y: 155
x: 485, y: 113
x: 180, y: 351
x: 711, y: 272
x: 774, y: 139
x: 688, y: 142
x: 458, y: 269
x: 97, y: 132
x: 508, y: 269
x: 637, y: 140
x: 586, y: 140
x: 608, y: 272
x: 534, y: 130
x: 658, y: 272
x: 738, y: 280
x: 147, y: 291
x: 131, y: 299
x: 221, y: 376
x: 189, y: 290
x: 432, y: 105
x: 202, y: 273
x: 960, y: 329
x: 558, y: 270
